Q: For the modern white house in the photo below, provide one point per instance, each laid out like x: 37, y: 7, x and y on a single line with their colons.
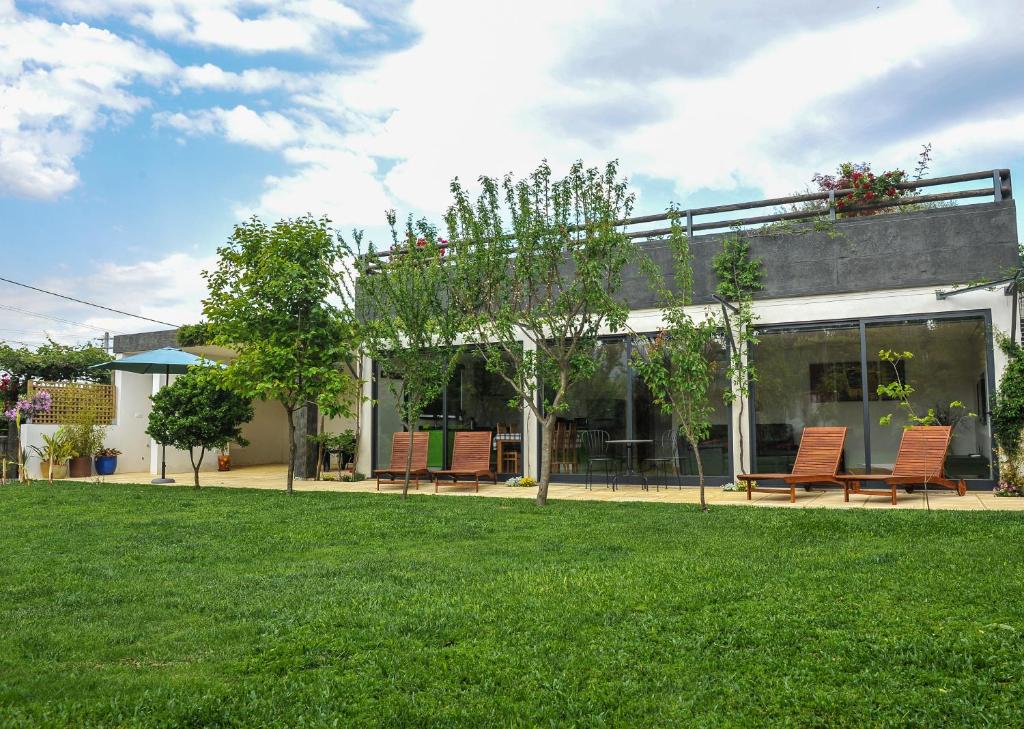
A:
x: 834, y: 296
x: 940, y: 281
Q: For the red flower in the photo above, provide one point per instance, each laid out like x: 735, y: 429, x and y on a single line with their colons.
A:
x: 869, y: 195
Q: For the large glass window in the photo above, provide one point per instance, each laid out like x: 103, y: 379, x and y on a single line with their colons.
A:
x: 474, y: 399
x: 807, y: 377
x: 950, y: 364
x: 596, y: 412
x: 813, y: 376
x: 670, y: 453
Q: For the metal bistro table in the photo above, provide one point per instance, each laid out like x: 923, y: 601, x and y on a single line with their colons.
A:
x: 630, y: 445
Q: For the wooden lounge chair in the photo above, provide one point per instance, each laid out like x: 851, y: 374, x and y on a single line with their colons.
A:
x: 395, y: 472
x: 471, y: 459
x: 920, y: 461
x: 817, y: 461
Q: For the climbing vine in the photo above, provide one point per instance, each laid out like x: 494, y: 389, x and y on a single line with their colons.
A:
x: 739, y: 277
x: 1008, y: 412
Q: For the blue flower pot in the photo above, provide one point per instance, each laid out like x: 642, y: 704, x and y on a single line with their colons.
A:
x: 105, y: 465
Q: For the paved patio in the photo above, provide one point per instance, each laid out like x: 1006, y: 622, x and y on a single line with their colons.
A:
x: 273, y: 477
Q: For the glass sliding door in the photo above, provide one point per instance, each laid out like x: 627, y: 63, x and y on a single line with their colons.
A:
x: 669, y: 452
x: 479, y: 400
x: 474, y: 399
x: 807, y: 376
x: 950, y: 364
x: 596, y: 412
x: 817, y: 376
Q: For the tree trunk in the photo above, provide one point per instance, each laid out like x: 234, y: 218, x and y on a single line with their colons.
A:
x: 408, y: 462
x: 546, y: 441
x: 700, y: 470
x: 195, y: 466
x: 291, y: 448
x: 743, y: 466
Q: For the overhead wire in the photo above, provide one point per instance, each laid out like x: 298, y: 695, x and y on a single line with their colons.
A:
x: 87, y: 303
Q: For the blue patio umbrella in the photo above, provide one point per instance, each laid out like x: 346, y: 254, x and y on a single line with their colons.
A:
x: 166, y: 361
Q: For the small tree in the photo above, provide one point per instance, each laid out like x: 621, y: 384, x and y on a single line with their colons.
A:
x: 739, y: 276
x: 271, y: 301
x: 198, y: 411
x: 679, y: 365
x: 408, y: 319
x: 537, y: 293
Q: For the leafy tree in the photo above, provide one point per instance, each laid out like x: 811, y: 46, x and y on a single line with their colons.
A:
x: 1008, y: 412
x: 549, y: 278
x: 409, y: 321
x: 51, y: 362
x: 739, y: 276
x: 198, y: 411
x: 679, y: 365
x: 271, y: 300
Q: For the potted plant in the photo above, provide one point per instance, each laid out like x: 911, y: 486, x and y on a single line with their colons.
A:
x: 105, y: 461
x: 224, y: 459
x: 54, y: 454
x: 86, y: 438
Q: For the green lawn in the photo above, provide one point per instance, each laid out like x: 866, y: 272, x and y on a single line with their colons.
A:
x: 124, y: 605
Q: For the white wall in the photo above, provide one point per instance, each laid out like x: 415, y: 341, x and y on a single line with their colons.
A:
x: 267, y: 434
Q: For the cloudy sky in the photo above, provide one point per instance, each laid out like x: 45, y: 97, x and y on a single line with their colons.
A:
x: 135, y: 133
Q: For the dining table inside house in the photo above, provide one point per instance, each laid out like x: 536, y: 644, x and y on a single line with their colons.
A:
x: 629, y: 445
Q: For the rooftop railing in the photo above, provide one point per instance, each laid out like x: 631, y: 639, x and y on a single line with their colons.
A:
x: 998, y: 188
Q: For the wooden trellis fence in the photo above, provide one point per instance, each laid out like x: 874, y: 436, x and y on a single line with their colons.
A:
x: 71, y: 399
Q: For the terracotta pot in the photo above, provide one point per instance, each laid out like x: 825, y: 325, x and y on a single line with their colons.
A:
x: 59, y: 470
x: 223, y: 463
x: 80, y: 467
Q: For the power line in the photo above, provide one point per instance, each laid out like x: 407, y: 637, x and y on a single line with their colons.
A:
x: 88, y: 303
x: 54, y: 318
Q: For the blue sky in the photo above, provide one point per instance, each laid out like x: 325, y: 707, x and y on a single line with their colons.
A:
x: 135, y: 133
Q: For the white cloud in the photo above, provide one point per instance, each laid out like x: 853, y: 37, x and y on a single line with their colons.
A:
x: 241, y: 125
x: 58, y: 82
x: 251, y: 80
x: 339, y: 183
x: 304, y: 26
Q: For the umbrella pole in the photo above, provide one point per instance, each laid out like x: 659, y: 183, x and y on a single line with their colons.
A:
x: 163, y: 446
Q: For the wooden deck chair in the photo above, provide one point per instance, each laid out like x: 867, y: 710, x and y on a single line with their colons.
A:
x: 471, y: 459
x: 920, y: 461
x: 817, y: 461
x: 395, y: 472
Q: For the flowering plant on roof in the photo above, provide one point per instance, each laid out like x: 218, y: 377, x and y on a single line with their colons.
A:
x: 865, y: 186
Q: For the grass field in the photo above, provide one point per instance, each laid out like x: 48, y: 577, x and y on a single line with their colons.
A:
x: 142, y: 605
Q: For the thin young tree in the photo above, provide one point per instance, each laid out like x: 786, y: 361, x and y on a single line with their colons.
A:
x: 271, y: 299
x: 739, y: 277
x: 538, y: 269
x: 679, y: 364
x: 409, y: 324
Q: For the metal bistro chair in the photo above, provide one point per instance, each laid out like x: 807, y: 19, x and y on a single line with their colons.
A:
x: 668, y: 453
x: 596, y: 444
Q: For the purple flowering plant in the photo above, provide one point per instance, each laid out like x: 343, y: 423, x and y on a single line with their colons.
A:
x: 41, y: 402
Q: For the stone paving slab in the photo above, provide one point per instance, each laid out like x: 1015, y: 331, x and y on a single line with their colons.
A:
x: 273, y: 477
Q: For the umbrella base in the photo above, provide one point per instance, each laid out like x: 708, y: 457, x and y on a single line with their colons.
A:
x: 163, y: 480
